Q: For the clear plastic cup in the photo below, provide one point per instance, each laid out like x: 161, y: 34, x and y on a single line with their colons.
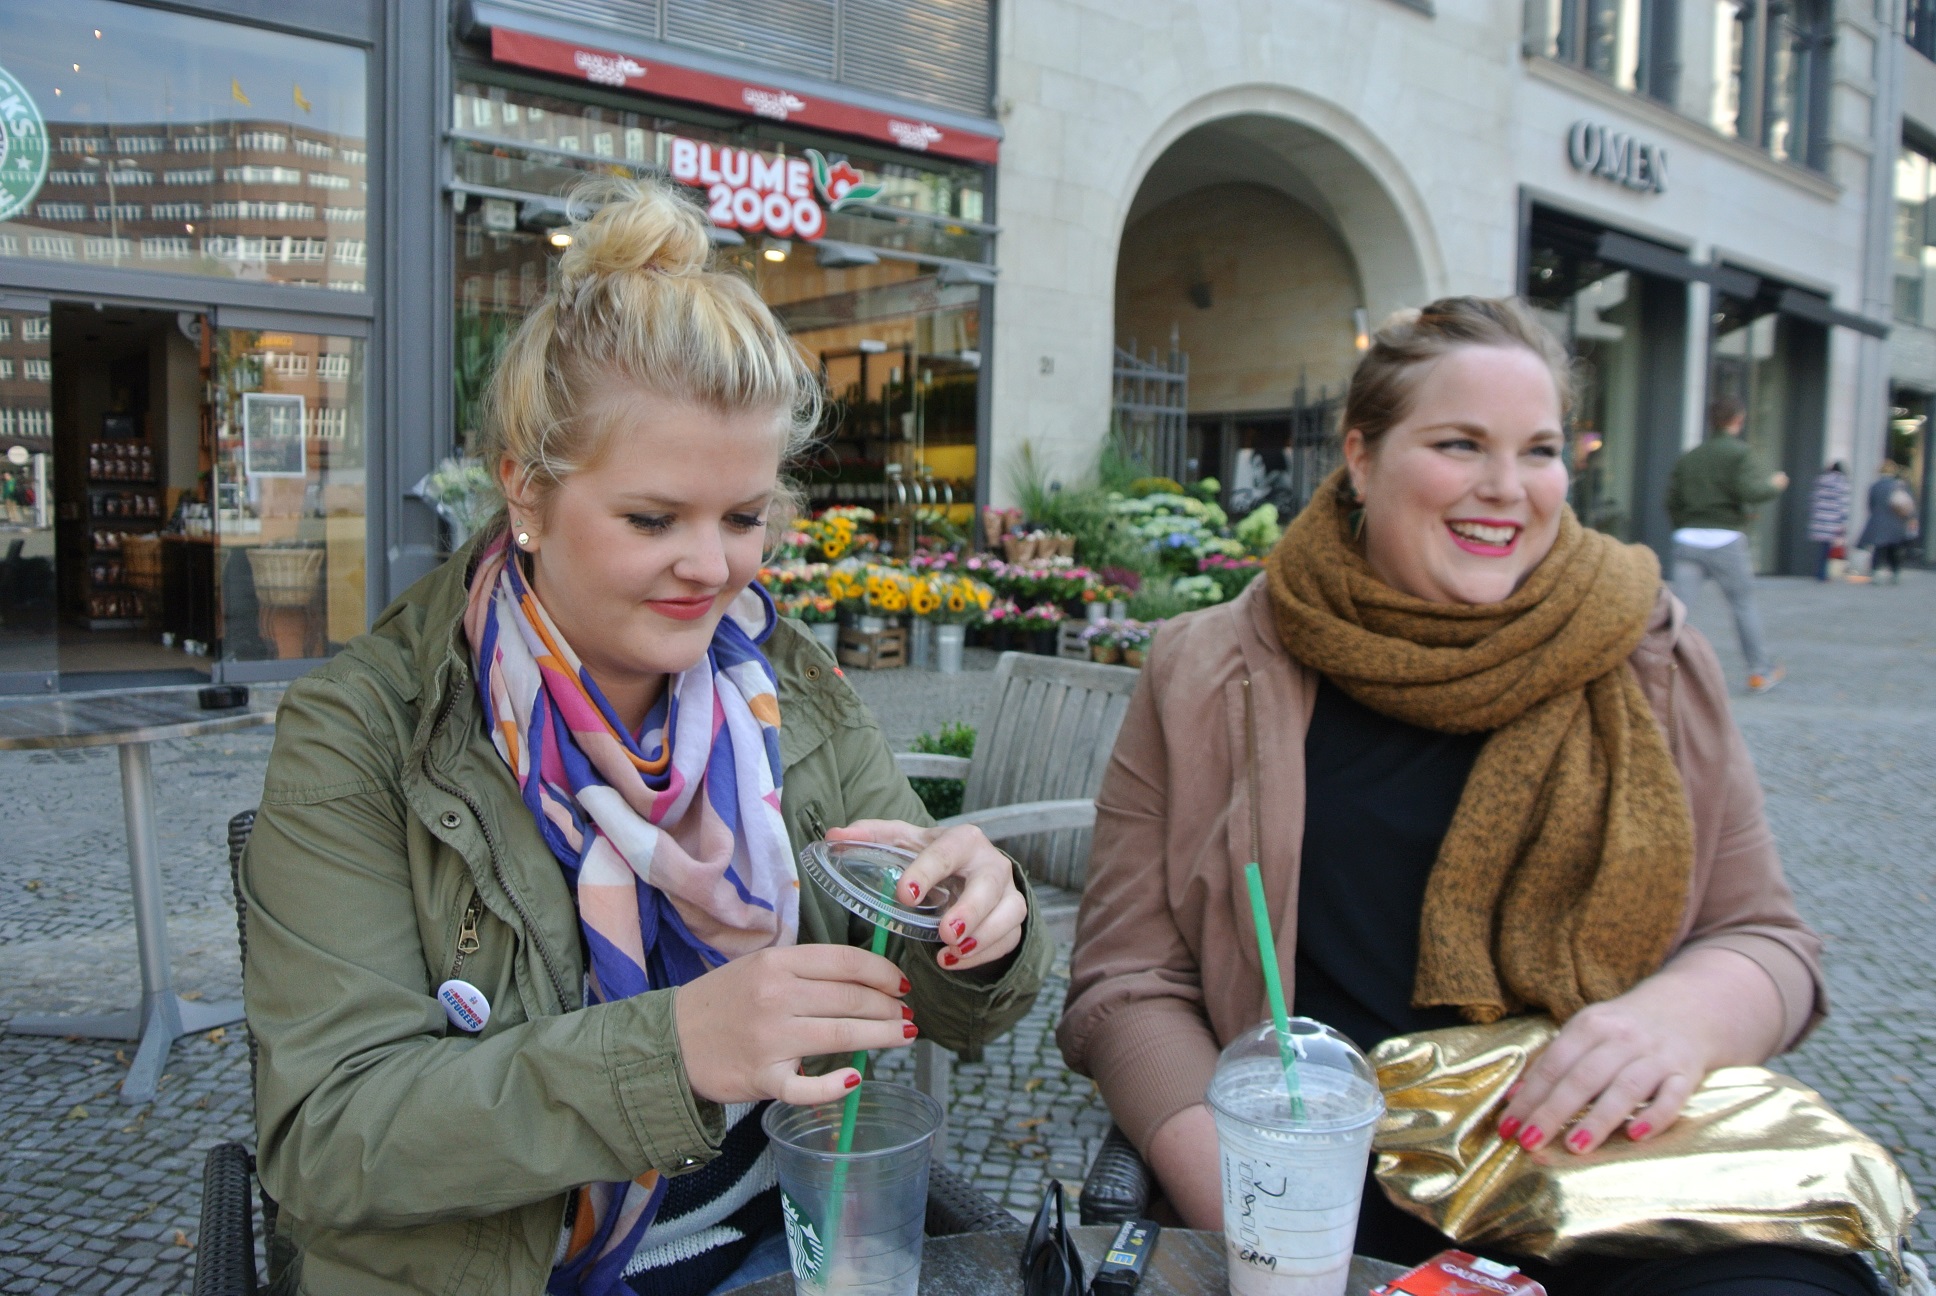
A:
x: 1291, y: 1184
x: 854, y: 1220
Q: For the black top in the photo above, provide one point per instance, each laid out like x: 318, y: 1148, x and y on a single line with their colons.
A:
x: 1379, y: 795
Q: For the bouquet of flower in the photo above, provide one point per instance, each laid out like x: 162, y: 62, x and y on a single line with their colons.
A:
x: 462, y: 493
x: 1043, y: 616
x: 1230, y: 574
x: 960, y: 600
x: 885, y: 590
x: 1002, y: 613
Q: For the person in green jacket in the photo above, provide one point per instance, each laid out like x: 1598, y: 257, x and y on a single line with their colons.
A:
x: 1711, y: 499
x: 528, y: 950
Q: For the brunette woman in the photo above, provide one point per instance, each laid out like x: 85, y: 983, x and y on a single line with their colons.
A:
x: 567, y: 773
x: 1497, y: 776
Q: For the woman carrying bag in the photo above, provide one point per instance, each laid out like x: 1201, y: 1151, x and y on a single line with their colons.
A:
x: 1497, y: 777
x: 528, y: 950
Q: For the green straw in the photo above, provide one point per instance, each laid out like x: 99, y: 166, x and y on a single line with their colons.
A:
x: 1274, y: 986
x: 849, y: 1113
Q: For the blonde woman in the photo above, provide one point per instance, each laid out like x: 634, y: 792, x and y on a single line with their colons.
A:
x: 567, y: 774
x: 1495, y: 775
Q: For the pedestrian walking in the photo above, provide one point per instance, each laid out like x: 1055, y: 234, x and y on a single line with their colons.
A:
x: 1711, y: 499
x: 1828, y: 516
x: 1892, y: 522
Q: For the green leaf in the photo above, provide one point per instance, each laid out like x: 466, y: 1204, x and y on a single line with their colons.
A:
x: 858, y: 194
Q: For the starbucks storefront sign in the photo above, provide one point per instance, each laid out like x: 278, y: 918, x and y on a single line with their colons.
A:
x: 23, y: 147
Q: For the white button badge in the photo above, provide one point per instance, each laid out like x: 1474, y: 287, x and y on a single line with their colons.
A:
x: 465, y: 1005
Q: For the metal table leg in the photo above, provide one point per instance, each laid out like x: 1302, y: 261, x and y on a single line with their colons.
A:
x: 163, y: 1016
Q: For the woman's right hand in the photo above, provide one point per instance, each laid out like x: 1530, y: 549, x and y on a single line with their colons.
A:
x: 745, y: 1025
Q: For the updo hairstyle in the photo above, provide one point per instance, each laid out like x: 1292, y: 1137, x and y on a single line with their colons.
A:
x: 1385, y: 381
x: 635, y: 300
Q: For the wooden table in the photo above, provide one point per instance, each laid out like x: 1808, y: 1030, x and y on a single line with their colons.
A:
x: 132, y: 721
x: 1186, y: 1263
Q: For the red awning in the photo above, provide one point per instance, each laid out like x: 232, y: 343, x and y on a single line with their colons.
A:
x: 775, y: 103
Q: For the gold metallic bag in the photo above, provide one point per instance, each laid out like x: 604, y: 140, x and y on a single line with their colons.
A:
x: 1755, y: 1158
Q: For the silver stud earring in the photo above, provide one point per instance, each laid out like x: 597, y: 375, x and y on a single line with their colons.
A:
x: 524, y: 539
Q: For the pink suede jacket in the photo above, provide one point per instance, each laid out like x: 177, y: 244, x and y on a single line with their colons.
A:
x: 1165, y: 966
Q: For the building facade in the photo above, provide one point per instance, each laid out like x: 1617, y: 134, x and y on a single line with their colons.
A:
x: 256, y: 261
x: 1682, y: 187
x: 1909, y: 81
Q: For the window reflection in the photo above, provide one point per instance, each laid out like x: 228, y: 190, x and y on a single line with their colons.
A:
x: 190, y: 146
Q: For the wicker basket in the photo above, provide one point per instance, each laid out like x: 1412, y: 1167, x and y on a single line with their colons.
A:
x: 141, y: 562
x: 285, y: 578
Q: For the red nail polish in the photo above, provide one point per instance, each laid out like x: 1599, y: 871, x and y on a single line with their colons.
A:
x: 1508, y: 1127
x: 1531, y: 1138
x: 949, y: 960
x: 910, y: 1030
x: 1639, y: 1130
x: 968, y: 946
x: 960, y: 926
x: 914, y: 890
x: 906, y: 985
x: 907, y: 1013
x: 1578, y: 1140
x: 853, y: 1080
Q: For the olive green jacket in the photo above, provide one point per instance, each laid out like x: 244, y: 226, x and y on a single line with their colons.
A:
x: 406, y: 1155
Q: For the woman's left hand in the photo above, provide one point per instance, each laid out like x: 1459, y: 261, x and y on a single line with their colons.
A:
x: 1635, y: 1060
x: 984, y: 924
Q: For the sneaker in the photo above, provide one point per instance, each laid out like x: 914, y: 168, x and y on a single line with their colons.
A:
x: 1764, y: 683
x: 1857, y: 578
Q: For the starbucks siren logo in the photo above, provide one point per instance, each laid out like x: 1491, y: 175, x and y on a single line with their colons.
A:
x: 23, y: 147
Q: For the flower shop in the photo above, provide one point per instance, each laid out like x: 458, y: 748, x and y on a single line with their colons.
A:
x: 1085, y: 573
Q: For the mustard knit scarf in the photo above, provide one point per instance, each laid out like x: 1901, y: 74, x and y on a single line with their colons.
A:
x: 1562, y: 879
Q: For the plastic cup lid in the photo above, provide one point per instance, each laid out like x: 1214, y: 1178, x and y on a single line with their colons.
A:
x: 862, y: 876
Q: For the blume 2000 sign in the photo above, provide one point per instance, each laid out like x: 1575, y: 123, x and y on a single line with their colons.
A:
x: 751, y: 191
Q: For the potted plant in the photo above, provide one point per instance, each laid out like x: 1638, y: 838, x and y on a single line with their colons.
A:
x: 1000, y: 618
x: 1042, y: 622
x: 1101, y: 638
x: 1133, y: 637
x: 959, y: 600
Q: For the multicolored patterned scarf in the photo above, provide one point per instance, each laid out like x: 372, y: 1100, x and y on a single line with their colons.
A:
x: 672, y: 840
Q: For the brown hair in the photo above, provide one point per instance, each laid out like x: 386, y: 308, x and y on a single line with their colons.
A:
x: 1383, y: 384
x: 635, y: 299
x: 1723, y: 411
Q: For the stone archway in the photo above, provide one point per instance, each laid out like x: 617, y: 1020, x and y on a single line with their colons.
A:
x: 1263, y: 233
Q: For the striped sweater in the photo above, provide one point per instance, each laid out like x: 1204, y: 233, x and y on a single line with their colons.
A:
x: 711, y: 1218
x: 1828, y: 507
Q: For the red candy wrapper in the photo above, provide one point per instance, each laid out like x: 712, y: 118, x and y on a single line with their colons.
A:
x: 1460, y: 1273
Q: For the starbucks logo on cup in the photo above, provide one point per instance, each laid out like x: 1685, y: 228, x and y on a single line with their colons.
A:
x: 807, y: 1249
x: 23, y: 147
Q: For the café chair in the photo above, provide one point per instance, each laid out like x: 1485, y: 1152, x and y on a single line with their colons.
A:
x: 225, y: 1247
x: 1119, y: 1186
x: 1040, y: 752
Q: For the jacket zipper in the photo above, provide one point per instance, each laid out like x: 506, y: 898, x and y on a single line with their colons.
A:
x: 467, y: 942
x: 497, y: 863
x: 810, y: 816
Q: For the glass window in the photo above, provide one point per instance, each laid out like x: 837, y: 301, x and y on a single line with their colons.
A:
x: 289, y: 492
x: 899, y: 343
x: 1769, y: 78
x: 186, y: 145
x: 524, y: 139
x: 1748, y: 364
x: 1613, y: 39
x: 28, y: 650
x: 1915, y: 258
x: 1731, y: 41
x: 1797, y: 44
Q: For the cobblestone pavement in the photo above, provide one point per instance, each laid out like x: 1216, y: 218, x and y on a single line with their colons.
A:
x: 96, y: 1197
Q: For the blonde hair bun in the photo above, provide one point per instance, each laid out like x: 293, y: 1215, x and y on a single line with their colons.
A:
x: 631, y: 226
x: 635, y: 299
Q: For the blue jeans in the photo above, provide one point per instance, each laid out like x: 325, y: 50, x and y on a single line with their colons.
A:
x: 768, y: 1257
x: 1732, y: 568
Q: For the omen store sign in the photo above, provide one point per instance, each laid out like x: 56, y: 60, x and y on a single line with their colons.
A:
x: 1617, y: 157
